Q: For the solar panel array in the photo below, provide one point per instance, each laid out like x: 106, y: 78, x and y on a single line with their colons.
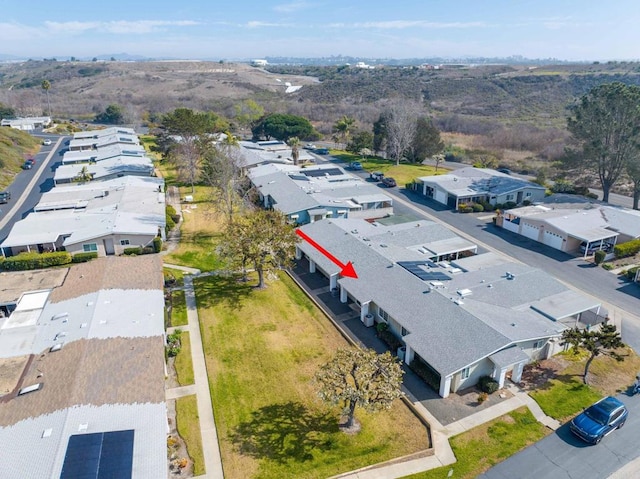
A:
x: 432, y: 273
x: 101, y: 455
x: 323, y: 172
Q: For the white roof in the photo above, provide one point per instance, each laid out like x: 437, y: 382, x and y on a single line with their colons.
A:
x: 125, y: 165
x: 112, y: 130
x: 103, y: 153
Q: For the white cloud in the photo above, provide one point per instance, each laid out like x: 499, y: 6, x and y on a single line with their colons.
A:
x: 116, y: 27
x: 402, y: 24
x: 257, y: 24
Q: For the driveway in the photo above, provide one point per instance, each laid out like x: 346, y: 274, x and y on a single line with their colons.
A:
x: 562, y: 455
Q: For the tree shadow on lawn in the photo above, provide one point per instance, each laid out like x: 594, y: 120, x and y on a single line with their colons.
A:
x: 228, y: 289
x: 285, y: 432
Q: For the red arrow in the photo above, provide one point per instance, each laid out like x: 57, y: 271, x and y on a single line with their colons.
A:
x: 347, y: 270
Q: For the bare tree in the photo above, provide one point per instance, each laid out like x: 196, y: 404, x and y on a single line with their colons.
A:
x: 401, y: 118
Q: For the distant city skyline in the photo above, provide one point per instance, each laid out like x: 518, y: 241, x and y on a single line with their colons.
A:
x: 572, y: 30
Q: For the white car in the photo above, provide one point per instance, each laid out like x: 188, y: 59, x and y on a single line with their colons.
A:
x: 46, y: 142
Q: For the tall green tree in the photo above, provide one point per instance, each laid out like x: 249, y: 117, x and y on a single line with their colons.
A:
x: 361, y: 141
x: 248, y: 113
x: 380, y: 133
x: 342, y: 129
x: 360, y: 377
x: 263, y: 239
x: 426, y: 142
x: 46, y: 86
x: 605, y: 341
x: 633, y: 172
x: 112, y: 115
x: 191, y: 132
x: 282, y: 126
x: 6, y: 111
x: 605, y: 123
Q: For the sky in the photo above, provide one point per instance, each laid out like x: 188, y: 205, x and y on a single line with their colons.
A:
x: 583, y: 30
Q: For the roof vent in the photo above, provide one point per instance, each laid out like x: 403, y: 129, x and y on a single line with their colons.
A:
x: 30, y: 389
x: 510, y: 275
x: 55, y: 347
x: 458, y: 301
x: 59, y: 316
x: 464, y: 292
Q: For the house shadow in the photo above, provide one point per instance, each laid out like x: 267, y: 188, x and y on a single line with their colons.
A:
x: 284, y: 433
x: 630, y: 288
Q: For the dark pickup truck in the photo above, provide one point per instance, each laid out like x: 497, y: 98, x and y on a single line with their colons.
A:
x: 5, y: 196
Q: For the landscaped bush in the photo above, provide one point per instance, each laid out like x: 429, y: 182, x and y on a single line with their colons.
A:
x: 173, y: 343
x: 591, y: 196
x: 157, y: 244
x: 599, y: 256
x: 607, y: 266
x: 390, y: 340
x: 630, y: 274
x: 25, y: 261
x: 84, y: 257
x: 487, y: 206
x: 465, y: 208
x: 526, y: 203
x: 173, y: 214
x: 627, y: 249
x: 132, y: 251
x: 488, y: 385
x: 426, y: 374
x: 509, y: 205
x: 477, y: 208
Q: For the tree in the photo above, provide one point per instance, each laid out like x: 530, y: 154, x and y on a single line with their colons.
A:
x: 360, y: 377
x: 192, y: 130
x: 439, y: 158
x: 221, y: 170
x: 84, y: 175
x: 262, y: 238
x: 361, y: 141
x: 605, y: 123
x: 380, y: 133
x: 633, y: 172
x: 46, y: 86
x: 426, y: 142
x: 604, y: 341
x: 248, y: 113
x: 6, y: 111
x: 342, y: 129
x: 294, y: 143
x: 282, y: 126
x: 401, y: 126
x: 112, y: 115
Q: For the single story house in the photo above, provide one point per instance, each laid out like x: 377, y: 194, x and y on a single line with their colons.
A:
x: 107, y: 169
x: 82, y: 144
x: 28, y: 123
x: 106, y: 217
x: 83, y: 366
x: 461, y: 319
x: 267, y: 152
x: 112, y: 130
x: 473, y: 185
x: 104, y: 153
x: 310, y: 194
x: 582, y: 227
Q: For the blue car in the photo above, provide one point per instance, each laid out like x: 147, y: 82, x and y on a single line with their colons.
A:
x: 599, y: 420
x: 356, y: 166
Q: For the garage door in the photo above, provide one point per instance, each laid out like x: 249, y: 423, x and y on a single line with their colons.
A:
x: 552, y: 239
x: 530, y: 231
x: 441, y: 197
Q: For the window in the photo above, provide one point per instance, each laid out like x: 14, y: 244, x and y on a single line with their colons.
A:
x: 528, y: 194
x: 404, y: 331
x: 383, y: 314
x: 464, y: 374
x: 87, y: 248
x: 510, y: 197
x: 538, y: 344
x: 124, y: 242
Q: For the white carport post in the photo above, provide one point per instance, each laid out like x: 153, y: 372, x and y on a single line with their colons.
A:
x: 333, y: 281
x: 499, y: 375
x: 298, y: 253
x: 516, y: 375
x: 344, y: 296
x: 445, y: 386
x: 364, y: 310
x: 408, y: 356
x: 312, y: 266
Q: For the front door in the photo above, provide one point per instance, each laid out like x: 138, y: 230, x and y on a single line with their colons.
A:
x: 108, y: 246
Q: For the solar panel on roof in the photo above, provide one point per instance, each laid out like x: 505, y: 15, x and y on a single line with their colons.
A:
x: 323, y: 172
x: 99, y: 455
x: 432, y: 273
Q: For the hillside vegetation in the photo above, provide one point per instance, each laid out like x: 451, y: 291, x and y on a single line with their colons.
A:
x: 15, y: 146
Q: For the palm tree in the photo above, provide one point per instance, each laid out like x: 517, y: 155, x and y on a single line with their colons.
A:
x: 46, y: 85
x: 294, y: 143
x: 84, y: 175
x: 342, y: 128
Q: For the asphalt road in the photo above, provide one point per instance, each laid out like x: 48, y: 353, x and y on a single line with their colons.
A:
x: 562, y: 455
x: 25, y: 196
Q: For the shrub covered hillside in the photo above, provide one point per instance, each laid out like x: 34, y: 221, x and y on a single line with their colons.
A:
x: 15, y: 146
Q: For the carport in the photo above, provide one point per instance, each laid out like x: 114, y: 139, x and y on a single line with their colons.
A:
x: 510, y: 359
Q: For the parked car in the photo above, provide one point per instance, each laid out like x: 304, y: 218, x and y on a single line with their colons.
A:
x: 506, y: 171
x: 5, y: 196
x: 322, y: 151
x: 388, y: 182
x: 32, y: 161
x: 599, y: 420
x: 595, y: 247
x: 355, y: 165
x: 27, y: 165
x: 310, y: 146
x: 46, y: 142
x: 376, y: 175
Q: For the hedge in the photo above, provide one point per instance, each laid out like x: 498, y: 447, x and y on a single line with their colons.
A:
x: 157, y: 244
x: 626, y: 249
x: 25, y: 261
x: 426, y: 374
x: 488, y: 385
x: 599, y: 256
x: 390, y: 340
x: 84, y: 257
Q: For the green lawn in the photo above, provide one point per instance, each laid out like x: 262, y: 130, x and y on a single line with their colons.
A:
x: 187, y: 423
x: 262, y: 349
x: 562, y: 398
x: 485, y: 446
x: 403, y: 173
x: 178, y: 308
x: 183, y: 364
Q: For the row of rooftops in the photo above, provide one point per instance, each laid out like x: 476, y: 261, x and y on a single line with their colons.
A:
x: 473, y: 308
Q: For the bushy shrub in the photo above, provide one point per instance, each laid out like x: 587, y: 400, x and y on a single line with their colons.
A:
x: 477, y: 208
x: 26, y: 261
x: 526, y: 203
x: 173, y: 214
x: 591, y: 196
x: 630, y: 274
x: 147, y: 250
x: 488, y: 385
x: 157, y: 244
x: 607, y: 266
x: 465, y: 208
x: 132, y: 251
x: 169, y: 222
x: 487, y: 206
x: 599, y: 256
x: 509, y: 205
x: 626, y: 249
x: 173, y: 343
x: 426, y: 374
x: 390, y: 340
x: 84, y: 257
